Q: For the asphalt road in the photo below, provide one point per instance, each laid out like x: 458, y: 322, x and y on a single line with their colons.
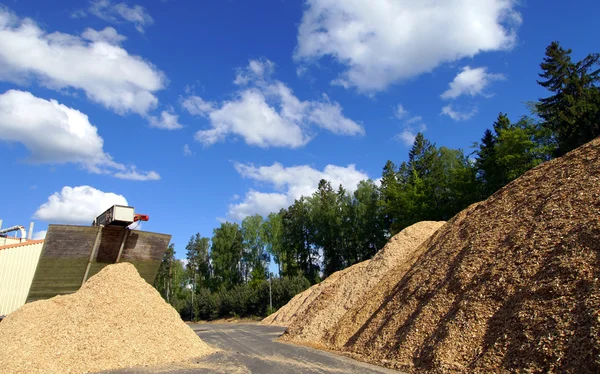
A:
x: 250, y: 348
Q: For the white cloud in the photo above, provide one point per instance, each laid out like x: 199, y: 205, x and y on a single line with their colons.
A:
x: 133, y: 175
x: 108, y: 35
x: 414, y: 119
x: 29, y: 120
x: 79, y: 13
x: 258, y: 203
x: 257, y: 70
x: 470, y: 82
x: 265, y: 113
x: 93, y: 62
x: 39, y: 235
x: 411, y: 126
x: 289, y: 183
x: 456, y: 115
x: 77, y: 205
x: 167, y: 121
x: 409, y: 133
x: 117, y: 13
x: 400, y: 112
x: 385, y: 41
x: 407, y: 136
x: 197, y: 106
x: 187, y: 151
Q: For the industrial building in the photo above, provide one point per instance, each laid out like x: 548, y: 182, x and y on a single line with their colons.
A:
x: 69, y: 255
x: 19, y: 256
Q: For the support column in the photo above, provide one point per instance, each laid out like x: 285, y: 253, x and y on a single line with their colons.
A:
x: 125, y: 236
x: 92, y: 254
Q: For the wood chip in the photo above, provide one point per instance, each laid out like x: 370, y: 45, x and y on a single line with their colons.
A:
x: 115, y: 320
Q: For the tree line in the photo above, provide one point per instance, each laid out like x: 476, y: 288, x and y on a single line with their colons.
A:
x: 333, y: 228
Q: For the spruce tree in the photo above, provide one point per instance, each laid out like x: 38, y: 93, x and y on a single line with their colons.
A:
x: 573, y: 111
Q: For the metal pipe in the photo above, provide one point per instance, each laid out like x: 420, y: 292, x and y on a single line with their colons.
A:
x: 30, y: 235
x: 15, y: 228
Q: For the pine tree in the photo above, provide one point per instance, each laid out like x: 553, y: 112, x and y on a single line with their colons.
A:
x: 390, y: 193
x: 573, y: 111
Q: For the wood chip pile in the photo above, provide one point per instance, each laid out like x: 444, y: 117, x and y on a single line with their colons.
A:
x: 115, y: 320
x: 298, y: 304
x: 510, y: 284
x: 321, y: 316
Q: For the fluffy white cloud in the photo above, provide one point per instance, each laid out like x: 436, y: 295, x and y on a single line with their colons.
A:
x: 256, y: 70
x: 187, y: 151
x: 77, y: 205
x: 456, y: 115
x: 266, y: 113
x: 385, y: 41
x: 28, y: 120
x: 470, y: 82
x: 108, y: 35
x: 117, y: 13
x: 290, y: 183
x: 39, y: 235
x: 93, y: 62
x: 197, y: 106
x: 256, y: 202
x: 167, y: 121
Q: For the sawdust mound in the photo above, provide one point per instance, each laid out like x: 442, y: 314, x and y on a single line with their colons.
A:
x: 321, y: 317
x: 509, y: 284
x: 115, y: 320
x: 299, y: 303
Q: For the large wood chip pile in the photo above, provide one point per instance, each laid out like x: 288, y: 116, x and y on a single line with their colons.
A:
x: 320, y: 318
x: 115, y: 320
x: 511, y: 284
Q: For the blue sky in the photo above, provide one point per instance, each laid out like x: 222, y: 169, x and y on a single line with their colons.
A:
x: 195, y: 112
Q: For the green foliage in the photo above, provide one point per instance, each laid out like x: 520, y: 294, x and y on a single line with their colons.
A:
x: 198, y: 262
x: 245, y: 300
x: 226, y: 254
x: 272, y: 231
x: 254, y: 257
x: 509, y: 151
x: 572, y: 112
x: 171, y: 280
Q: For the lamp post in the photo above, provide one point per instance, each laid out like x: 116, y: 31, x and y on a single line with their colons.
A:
x: 270, y: 295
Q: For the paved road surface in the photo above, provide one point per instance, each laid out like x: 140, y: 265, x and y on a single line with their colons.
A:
x: 250, y: 348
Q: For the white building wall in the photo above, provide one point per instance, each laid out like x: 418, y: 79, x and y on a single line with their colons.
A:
x: 8, y: 240
x: 17, y: 267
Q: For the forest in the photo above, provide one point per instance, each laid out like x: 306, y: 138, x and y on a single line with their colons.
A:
x: 227, y: 274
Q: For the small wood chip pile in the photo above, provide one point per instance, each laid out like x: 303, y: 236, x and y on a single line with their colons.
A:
x: 115, y: 320
x: 299, y: 303
x: 511, y: 284
x: 320, y: 318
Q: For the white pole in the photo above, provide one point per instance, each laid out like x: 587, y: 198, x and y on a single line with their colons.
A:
x: 30, y: 236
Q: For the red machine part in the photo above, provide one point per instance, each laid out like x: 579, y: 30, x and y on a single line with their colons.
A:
x: 140, y: 217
